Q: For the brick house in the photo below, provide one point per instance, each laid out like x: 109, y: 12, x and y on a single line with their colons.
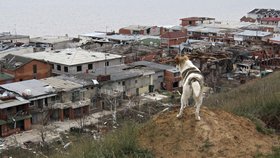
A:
x: 173, y: 38
x: 14, y: 114
x: 194, y: 21
x: 22, y: 68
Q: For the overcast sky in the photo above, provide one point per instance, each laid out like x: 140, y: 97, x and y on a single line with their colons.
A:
x: 58, y: 17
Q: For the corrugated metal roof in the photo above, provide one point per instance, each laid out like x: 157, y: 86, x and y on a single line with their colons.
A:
x: 13, y: 62
x: 60, y: 84
x: 254, y: 33
x: 156, y: 65
x: 37, y: 87
x: 11, y: 103
x: 50, y: 39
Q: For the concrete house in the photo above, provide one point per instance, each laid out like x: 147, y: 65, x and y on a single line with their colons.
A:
x: 14, y: 114
x: 128, y: 80
x: 140, y: 30
x: 263, y: 13
x: 76, y: 60
x: 7, y: 37
x: 51, y: 43
x: 90, y: 87
x: 72, y: 101
x: 171, y: 76
x: 40, y: 95
x: 250, y: 36
x: 22, y: 68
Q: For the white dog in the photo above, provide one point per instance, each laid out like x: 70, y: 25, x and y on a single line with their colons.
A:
x: 192, y: 80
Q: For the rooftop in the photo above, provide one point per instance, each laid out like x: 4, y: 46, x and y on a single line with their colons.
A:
x: 254, y: 33
x: 35, y: 87
x: 197, y: 19
x: 50, y: 39
x: 16, y: 101
x: 4, y: 76
x: 156, y: 66
x: 72, y: 56
x: 13, y: 62
x: 275, y: 39
x: 9, y: 36
x: 176, y: 34
x: 61, y: 84
x: 137, y: 27
x: 263, y: 11
x: 204, y: 29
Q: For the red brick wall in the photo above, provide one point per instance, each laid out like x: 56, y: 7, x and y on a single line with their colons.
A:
x: 27, y: 124
x: 26, y: 71
x: 187, y: 23
x: 124, y: 31
x: 169, y: 79
x: 174, y: 42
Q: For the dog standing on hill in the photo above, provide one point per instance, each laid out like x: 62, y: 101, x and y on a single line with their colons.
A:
x: 192, y: 82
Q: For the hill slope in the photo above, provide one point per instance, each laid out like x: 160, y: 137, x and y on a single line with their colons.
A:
x: 218, y: 134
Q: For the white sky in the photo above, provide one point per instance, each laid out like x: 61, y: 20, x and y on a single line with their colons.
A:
x: 58, y: 17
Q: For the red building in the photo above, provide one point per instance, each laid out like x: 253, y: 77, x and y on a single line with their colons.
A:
x: 247, y: 19
x: 173, y: 38
x: 14, y: 114
x: 21, y: 68
x: 194, y: 21
x: 270, y: 21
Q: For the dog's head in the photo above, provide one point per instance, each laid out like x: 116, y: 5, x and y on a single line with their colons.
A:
x: 180, y: 60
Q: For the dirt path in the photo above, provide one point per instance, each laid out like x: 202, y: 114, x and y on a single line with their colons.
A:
x: 218, y: 134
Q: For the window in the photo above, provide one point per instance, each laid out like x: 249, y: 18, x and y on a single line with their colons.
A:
x: 79, y: 68
x: 123, y: 83
x: 90, y: 66
x: 34, y: 69
x: 107, y: 63
x: 65, y: 69
x: 46, y: 102
x: 135, y: 81
x: 175, y: 84
x: 176, y: 74
x: 53, y: 98
x: 58, y: 67
x: 75, y: 96
x: 160, y: 76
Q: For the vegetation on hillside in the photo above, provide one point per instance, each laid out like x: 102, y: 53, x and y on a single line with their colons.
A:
x: 259, y: 100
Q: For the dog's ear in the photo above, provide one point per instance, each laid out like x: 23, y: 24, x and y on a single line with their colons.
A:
x: 177, y: 60
x: 186, y: 57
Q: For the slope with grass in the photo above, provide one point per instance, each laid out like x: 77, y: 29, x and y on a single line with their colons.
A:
x: 258, y: 100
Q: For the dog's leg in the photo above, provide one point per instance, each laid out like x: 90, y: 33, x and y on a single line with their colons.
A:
x: 198, y: 97
x: 198, y: 103
x: 184, y: 101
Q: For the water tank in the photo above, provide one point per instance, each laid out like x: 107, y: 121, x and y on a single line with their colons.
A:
x: 49, y: 89
x: 27, y: 93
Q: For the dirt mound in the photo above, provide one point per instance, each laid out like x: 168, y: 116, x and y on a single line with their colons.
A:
x: 218, y: 134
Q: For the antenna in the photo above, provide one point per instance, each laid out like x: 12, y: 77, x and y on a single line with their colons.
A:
x: 15, y: 29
